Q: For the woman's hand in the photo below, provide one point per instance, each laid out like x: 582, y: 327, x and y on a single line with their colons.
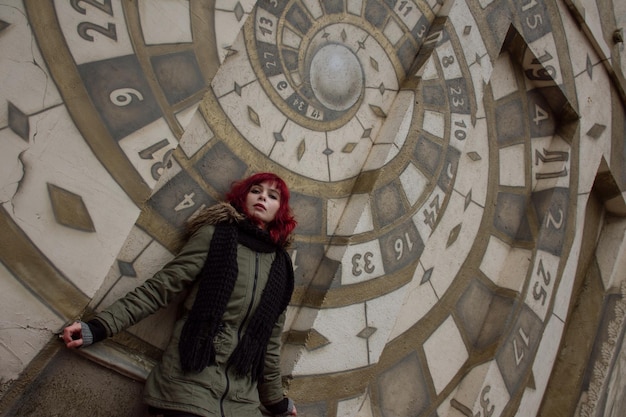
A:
x: 73, y: 335
x: 291, y: 409
x: 276, y: 410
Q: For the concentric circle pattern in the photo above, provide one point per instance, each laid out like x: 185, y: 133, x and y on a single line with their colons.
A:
x: 433, y: 150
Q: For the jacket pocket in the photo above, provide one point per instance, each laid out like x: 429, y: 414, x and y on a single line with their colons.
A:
x: 172, y: 369
x: 249, y: 396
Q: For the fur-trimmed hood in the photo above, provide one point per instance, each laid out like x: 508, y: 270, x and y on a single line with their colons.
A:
x: 218, y: 213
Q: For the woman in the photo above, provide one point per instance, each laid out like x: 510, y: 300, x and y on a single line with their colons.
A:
x: 223, y: 357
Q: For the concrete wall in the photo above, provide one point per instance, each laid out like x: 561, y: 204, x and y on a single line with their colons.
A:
x: 457, y: 170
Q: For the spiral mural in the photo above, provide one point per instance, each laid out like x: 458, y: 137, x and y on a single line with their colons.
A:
x: 440, y: 154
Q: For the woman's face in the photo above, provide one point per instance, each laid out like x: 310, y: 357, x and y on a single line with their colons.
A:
x: 263, y: 202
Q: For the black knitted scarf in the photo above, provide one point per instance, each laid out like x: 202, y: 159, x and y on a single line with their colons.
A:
x: 217, y: 281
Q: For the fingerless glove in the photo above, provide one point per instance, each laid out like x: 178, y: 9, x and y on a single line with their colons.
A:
x: 281, y: 408
x: 93, y: 331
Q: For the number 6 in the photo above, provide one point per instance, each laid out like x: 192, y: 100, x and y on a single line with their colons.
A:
x: 123, y: 96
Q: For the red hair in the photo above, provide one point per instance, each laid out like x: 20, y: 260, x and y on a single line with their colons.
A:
x: 283, y: 224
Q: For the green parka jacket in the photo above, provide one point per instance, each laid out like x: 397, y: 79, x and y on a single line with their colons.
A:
x: 216, y: 391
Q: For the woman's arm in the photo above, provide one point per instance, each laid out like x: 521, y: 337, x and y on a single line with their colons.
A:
x: 155, y: 293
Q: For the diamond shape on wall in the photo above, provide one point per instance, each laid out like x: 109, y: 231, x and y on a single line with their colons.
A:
x: 69, y: 209
x: 453, y: 236
x: 239, y: 12
x: 596, y: 131
x: 367, y: 332
x: 311, y: 339
x: 18, y: 122
x: 316, y: 340
x: 127, y: 268
x: 254, y: 116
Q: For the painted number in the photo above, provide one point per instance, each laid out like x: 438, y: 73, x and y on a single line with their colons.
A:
x: 552, y: 221
x: 362, y: 263
x: 551, y: 156
x: 540, y: 115
x: 157, y: 168
x: 539, y: 291
x: 399, y: 245
x: 422, y: 31
x: 84, y: 28
x: 124, y: 96
x: 434, y: 38
x: 447, y: 61
x: 519, y: 349
x: 299, y: 104
x: 269, y: 64
x: 540, y: 71
x: 407, y: 9
x: 266, y: 26
x: 186, y: 203
x: 485, y: 405
x: 460, y: 134
x: 430, y: 216
x: 534, y: 20
x: 456, y: 100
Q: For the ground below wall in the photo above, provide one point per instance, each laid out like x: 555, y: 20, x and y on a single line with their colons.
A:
x: 70, y: 385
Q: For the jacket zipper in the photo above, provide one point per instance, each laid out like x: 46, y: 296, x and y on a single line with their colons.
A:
x: 240, y: 330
